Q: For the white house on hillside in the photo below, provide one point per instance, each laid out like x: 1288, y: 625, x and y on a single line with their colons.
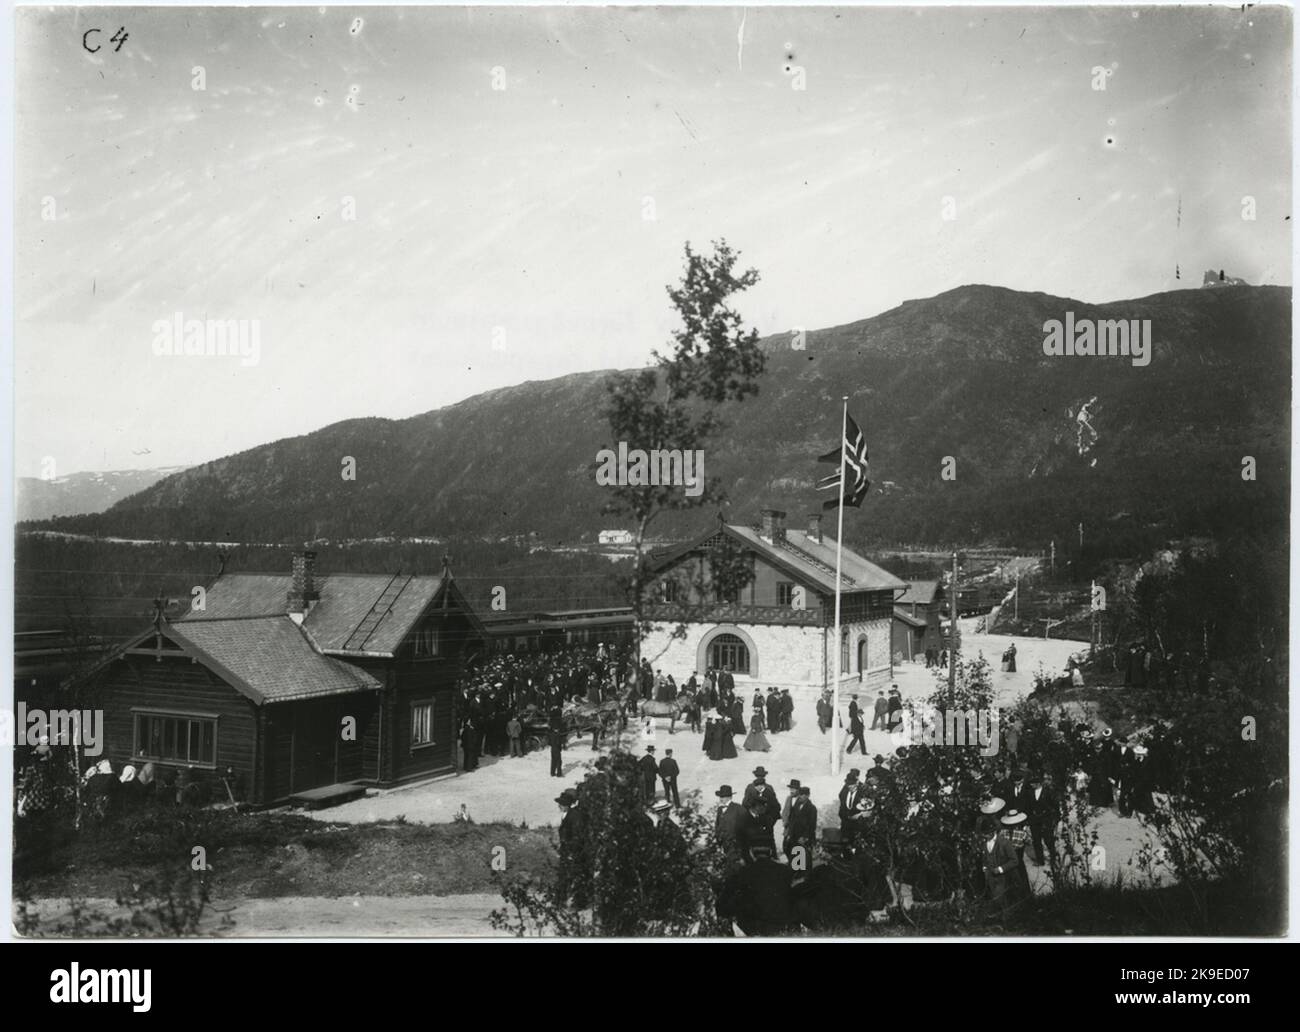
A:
x: 778, y: 629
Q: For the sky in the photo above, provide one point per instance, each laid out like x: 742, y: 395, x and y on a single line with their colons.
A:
x: 415, y: 205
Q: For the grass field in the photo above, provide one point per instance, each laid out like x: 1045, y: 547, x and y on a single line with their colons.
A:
x: 275, y: 854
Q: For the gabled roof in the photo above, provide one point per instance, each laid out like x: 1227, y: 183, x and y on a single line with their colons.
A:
x: 810, y: 562
x: 922, y: 592
x: 346, y: 599
x: 265, y: 658
x: 908, y: 618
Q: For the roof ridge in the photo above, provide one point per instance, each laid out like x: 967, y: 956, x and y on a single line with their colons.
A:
x: 812, y: 560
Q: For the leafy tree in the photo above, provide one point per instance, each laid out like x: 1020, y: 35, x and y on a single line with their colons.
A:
x: 623, y: 876
x: 675, y: 405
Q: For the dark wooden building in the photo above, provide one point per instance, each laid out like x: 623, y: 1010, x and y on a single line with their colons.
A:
x: 296, y: 682
x: 918, y: 620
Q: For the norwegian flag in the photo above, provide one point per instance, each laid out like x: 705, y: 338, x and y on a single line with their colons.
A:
x: 857, y: 484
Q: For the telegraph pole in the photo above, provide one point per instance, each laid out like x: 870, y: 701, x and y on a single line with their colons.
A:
x: 952, y: 634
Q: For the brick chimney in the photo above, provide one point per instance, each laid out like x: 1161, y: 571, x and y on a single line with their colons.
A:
x: 773, y: 526
x: 815, y: 527
x: 302, y: 590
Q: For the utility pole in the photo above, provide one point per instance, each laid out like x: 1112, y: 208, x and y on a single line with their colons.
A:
x: 952, y: 634
x: 1017, y: 593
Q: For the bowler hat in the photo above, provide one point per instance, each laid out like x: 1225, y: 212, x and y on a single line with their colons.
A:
x: 795, y: 783
x: 567, y: 798
x: 725, y: 792
x: 760, y: 772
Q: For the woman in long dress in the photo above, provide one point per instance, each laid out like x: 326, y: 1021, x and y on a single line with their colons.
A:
x: 756, y: 741
x: 728, y: 740
x: 713, y: 738
x: 758, y: 710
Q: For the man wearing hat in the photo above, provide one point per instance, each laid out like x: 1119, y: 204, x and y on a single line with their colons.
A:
x: 895, y: 712
x: 881, y: 711
x: 649, y: 773
x: 800, y: 830
x: 558, y: 733
x: 786, y: 709
x: 856, y: 728
x: 1015, y: 787
x: 668, y: 772
x: 727, y: 823
x: 572, y: 829
x: 757, y: 827
x: 727, y: 683
x: 1040, y: 803
x: 793, y: 787
x: 760, y: 789
x: 849, y: 796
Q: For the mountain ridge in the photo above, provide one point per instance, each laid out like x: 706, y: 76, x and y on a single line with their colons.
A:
x: 960, y: 375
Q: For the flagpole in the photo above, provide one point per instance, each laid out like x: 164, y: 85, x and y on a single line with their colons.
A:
x: 839, y: 545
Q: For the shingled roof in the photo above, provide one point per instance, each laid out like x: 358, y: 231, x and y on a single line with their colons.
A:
x: 345, y: 601
x: 811, y: 562
x: 268, y: 658
x: 921, y: 592
x: 908, y: 618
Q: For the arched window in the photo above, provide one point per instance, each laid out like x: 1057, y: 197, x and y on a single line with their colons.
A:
x: 862, y: 654
x: 726, y: 650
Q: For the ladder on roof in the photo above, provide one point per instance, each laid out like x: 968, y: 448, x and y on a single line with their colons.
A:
x: 382, y: 607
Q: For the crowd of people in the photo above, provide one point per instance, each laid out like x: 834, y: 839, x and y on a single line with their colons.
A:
x: 45, y: 783
x: 513, y: 700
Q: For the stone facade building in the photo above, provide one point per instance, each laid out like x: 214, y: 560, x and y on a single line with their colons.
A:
x: 778, y: 628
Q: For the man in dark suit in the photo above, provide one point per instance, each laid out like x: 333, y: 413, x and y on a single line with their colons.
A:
x: 881, y: 712
x: 759, y: 897
x: 760, y: 789
x: 1039, y: 802
x: 469, y: 743
x: 558, y: 734
x: 727, y: 683
x: 668, y: 771
x: 856, y: 727
x: 800, y: 830
x: 572, y: 835
x: 727, y: 826
x: 773, y: 707
x: 849, y: 796
x: 788, y: 803
x: 756, y: 827
x: 786, y: 709
x: 649, y: 773
x: 1014, y: 789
